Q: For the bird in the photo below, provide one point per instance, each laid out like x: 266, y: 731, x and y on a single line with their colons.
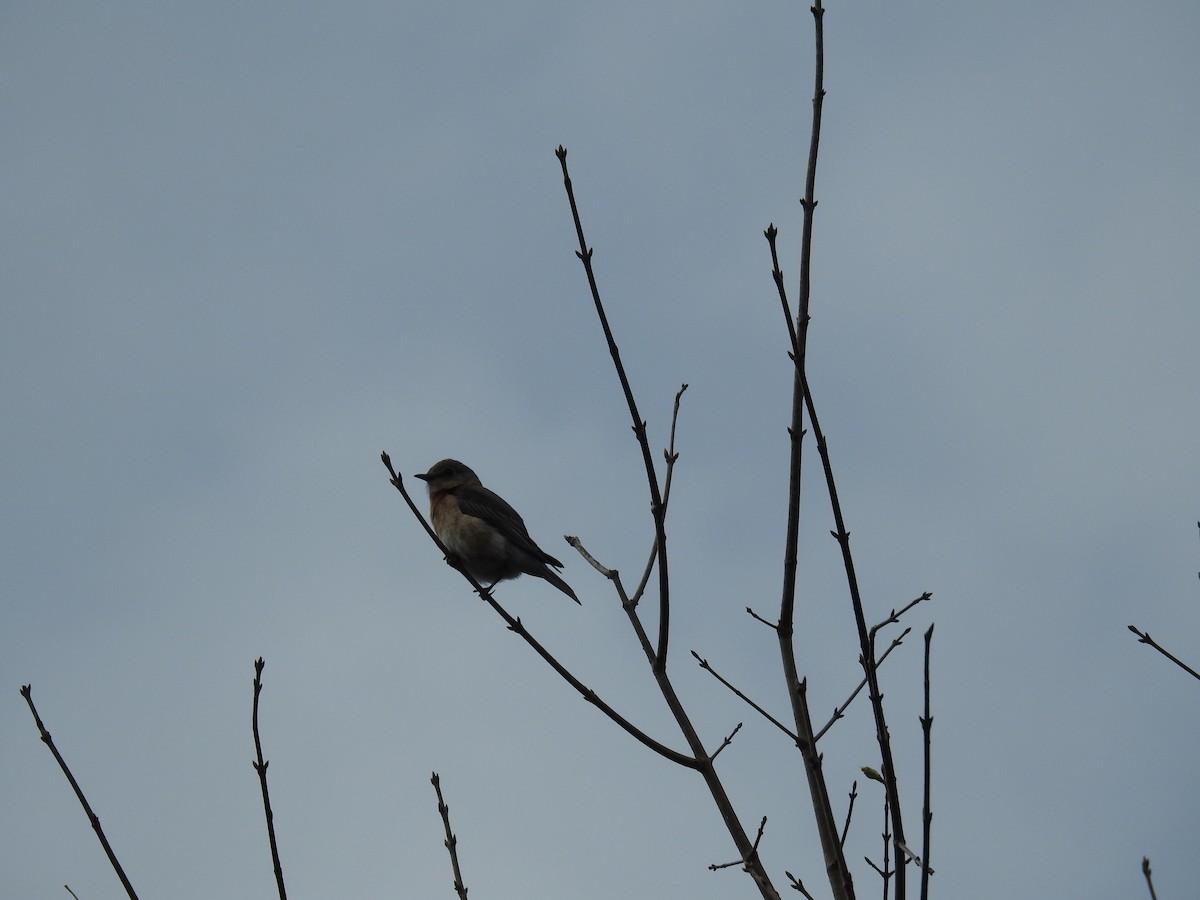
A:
x: 483, y: 534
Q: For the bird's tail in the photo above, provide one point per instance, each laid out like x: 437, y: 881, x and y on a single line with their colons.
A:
x: 551, y: 576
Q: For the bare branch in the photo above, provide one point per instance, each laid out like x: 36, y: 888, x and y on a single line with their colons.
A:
x: 514, y: 624
x: 840, y: 712
x: 451, y: 841
x: 758, y: 709
x: 773, y: 626
x: 27, y: 693
x: 671, y: 457
x: 611, y: 574
x: 1144, y: 638
x: 658, y: 654
x: 866, y: 641
x: 894, y: 616
x: 741, y: 862
x: 657, y: 508
x: 797, y: 885
x: 835, y: 863
x: 912, y: 857
x: 882, y: 873
x: 850, y: 810
x: 260, y: 766
x: 725, y: 743
x: 777, y: 274
x: 1149, y: 880
x: 926, y: 807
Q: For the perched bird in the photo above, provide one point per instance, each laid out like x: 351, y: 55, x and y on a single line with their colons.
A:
x: 484, y: 534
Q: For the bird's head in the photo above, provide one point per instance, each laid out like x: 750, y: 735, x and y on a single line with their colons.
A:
x: 448, y: 474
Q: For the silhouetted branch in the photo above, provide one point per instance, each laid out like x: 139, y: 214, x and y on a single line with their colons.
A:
x: 671, y: 456
x: 27, y: 693
x: 260, y: 766
x: 926, y: 808
x: 850, y: 810
x: 713, y: 867
x: 886, y: 872
x: 797, y: 885
x: 835, y: 863
x: 1149, y: 880
x: 772, y: 625
x: 657, y: 656
x: 725, y: 743
x: 451, y: 841
x: 777, y: 274
x: 840, y: 712
x: 758, y: 709
x: 866, y: 642
x: 514, y: 624
x: 657, y: 508
x: 1144, y: 638
x: 894, y: 615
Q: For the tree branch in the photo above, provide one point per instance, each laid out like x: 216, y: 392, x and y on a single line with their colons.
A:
x: 835, y: 863
x: 451, y: 841
x: 657, y: 508
x: 260, y: 766
x: 27, y: 693
x: 514, y: 625
x: 758, y: 709
x: 926, y: 807
x: 1144, y: 638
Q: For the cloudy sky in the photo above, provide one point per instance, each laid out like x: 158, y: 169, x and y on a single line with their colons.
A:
x: 246, y: 247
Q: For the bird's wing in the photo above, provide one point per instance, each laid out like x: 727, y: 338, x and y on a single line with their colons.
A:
x: 478, y: 501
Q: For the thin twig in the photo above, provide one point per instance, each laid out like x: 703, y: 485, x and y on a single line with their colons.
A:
x: 850, y: 810
x: 894, y: 615
x: 611, y: 574
x: 840, y: 712
x: 758, y: 709
x: 627, y: 603
x: 451, y: 841
x: 514, y: 624
x: 713, y: 867
x: 671, y: 457
x: 866, y: 642
x: 1144, y: 638
x: 777, y: 274
x: 71, y: 892
x: 1149, y: 880
x: 657, y: 509
x: 887, y: 869
x: 658, y: 656
x: 772, y: 625
x: 725, y: 743
x: 797, y: 885
x: 840, y: 879
x: 27, y: 693
x: 911, y: 857
x: 260, y: 766
x: 927, y: 808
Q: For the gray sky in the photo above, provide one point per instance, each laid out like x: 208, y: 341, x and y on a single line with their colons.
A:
x: 245, y: 248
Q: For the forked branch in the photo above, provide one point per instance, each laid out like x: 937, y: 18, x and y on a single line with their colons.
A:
x: 657, y: 508
x: 515, y: 625
x: 835, y: 863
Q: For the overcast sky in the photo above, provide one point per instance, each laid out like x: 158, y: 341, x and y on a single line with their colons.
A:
x: 246, y: 247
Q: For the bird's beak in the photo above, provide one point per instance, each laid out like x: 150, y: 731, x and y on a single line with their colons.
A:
x: 423, y: 477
